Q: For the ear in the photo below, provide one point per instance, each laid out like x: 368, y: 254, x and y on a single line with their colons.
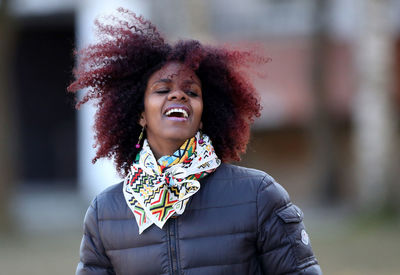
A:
x: 201, y: 125
x: 142, y: 120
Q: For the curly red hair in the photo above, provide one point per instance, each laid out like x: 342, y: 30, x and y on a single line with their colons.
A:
x: 116, y: 69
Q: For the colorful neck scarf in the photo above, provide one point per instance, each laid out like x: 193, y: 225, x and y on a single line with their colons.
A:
x: 155, y: 191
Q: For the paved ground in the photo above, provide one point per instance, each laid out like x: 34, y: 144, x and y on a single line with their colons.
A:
x: 344, y: 245
x: 358, y: 248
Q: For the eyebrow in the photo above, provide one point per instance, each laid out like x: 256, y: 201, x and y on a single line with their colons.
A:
x: 163, y: 80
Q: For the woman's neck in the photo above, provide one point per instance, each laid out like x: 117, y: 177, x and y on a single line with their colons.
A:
x: 166, y: 147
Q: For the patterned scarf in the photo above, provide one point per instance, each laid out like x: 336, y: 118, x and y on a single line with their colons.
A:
x: 155, y: 191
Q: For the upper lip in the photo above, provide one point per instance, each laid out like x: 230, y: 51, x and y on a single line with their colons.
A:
x: 177, y: 106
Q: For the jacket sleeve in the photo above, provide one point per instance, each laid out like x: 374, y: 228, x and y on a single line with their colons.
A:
x: 93, y: 259
x: 283, y: 243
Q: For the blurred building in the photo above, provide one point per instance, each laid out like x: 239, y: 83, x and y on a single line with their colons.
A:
x: 283, y: 141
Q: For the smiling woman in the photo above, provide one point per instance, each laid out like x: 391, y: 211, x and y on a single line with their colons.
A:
x: 182, y: 209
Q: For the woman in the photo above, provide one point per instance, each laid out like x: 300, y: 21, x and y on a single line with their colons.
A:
x: 172, y: 117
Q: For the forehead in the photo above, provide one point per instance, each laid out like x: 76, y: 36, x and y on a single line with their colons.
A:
x: 174, y: 71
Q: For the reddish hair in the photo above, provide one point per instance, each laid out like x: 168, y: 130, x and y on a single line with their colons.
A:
x: 116, y: 70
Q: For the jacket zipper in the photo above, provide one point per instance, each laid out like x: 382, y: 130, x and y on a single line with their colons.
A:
x: 171, y: 231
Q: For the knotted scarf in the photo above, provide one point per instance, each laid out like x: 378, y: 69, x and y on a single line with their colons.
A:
x: 155, y: 191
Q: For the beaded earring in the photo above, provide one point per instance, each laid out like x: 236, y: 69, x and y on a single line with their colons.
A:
x: 201, y: 141
x: 140, y: 138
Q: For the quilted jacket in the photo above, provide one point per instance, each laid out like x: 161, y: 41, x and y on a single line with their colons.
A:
x: 240, y: 222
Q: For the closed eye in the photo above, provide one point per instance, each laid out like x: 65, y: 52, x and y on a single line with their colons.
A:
x: 162, y: 91
x: 192, y: 93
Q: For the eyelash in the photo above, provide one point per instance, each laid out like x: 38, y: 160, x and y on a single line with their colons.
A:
x: 190, y: 93
x: 162, y: 91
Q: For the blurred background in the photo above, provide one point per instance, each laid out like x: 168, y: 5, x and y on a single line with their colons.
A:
x: 329, y: 131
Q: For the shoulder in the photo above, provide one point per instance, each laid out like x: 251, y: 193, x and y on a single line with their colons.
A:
x: 251, y: 183
x: 248, y: 175
x: 240, y: 175
x: 110, y: 203
x: 269, y: 192
x: 112, y: 190
x: 111, y: 193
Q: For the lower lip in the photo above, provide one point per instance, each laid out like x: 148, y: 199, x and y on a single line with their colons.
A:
x: 181, y: 119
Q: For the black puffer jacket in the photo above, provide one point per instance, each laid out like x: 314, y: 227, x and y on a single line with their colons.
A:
x: 240, y: 222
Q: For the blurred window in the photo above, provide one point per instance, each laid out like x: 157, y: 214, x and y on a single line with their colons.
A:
x: 46, y: 117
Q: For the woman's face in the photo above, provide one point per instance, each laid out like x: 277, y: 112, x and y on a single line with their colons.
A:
x: 173, y: 105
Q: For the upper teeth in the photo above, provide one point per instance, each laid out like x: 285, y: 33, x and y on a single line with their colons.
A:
x: 177, y: 110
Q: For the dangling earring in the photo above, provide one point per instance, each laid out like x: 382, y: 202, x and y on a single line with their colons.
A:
x: 140, y: 138
x: 201, y: 141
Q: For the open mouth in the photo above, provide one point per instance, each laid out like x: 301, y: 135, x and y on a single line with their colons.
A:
x: 177, y: 113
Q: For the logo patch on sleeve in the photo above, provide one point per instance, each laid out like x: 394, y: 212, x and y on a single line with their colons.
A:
x: 304, y: 237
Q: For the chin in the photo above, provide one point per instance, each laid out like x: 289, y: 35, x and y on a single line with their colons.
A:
x: 180, y: 135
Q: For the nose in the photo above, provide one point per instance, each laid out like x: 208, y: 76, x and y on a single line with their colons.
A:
x: 177, y: 94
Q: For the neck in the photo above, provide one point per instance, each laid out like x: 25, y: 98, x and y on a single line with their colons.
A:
x: 166, y: 147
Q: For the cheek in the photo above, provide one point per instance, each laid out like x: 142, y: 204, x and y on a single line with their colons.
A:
x: 150, y: 108
x: 199, y: 109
